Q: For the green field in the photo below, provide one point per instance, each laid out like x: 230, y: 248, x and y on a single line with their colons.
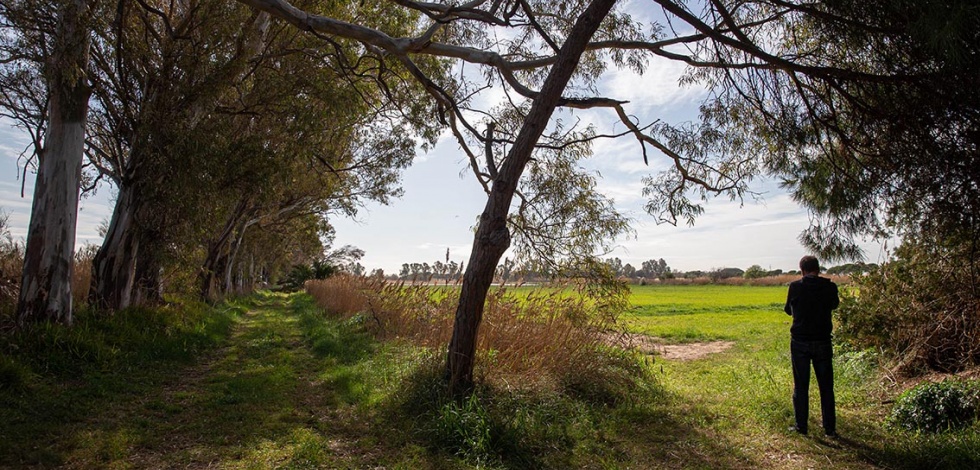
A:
x: 739, y: 400
x: 680, y: 314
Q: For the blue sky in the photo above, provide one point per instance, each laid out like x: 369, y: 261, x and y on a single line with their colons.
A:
x: 442, y: 200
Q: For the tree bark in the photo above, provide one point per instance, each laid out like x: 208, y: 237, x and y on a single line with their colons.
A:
x: 492, y: 236
x: 114, y: 265
x: 45, y: 293
x: 148, y: 282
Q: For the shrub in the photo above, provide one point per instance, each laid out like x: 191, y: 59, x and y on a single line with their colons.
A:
x: 937, y: 406
x: 300, y: 273
x: 922, y: 308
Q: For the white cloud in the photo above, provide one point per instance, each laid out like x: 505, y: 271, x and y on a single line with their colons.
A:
x: 657, y: 87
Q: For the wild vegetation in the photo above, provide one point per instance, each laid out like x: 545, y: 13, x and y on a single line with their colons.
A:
x: 232, y: 131
x: 273, y: 381
x: 557, y: 337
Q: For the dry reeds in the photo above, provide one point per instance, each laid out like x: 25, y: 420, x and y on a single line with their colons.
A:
x: 544, y: 337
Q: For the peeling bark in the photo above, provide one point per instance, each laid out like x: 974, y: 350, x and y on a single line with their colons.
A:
x: 114, y: 266
x: 45, y: 293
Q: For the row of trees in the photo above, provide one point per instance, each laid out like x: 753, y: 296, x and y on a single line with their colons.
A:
x: 209, y: 122
x: 865, y: 110
x: 536, y: 271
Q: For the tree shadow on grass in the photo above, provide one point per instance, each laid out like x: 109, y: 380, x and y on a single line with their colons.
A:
x: 520, y: 428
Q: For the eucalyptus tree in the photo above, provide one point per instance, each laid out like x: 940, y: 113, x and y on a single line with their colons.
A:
x: 210, y: 119
x: 539, y: 51
x: 44, y: 54
x: 162, y: 68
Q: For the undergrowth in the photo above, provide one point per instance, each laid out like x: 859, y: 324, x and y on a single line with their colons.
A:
x: 513, y: 427
x: 549, y: 378
x: 51, y: 374
x: 542, y: 338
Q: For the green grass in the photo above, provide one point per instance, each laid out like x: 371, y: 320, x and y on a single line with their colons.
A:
x: 743, y: 395
x: 271, y: 382
x: 683, y: 314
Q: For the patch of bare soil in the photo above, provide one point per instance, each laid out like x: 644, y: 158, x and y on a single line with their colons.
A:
x: 677, y: 352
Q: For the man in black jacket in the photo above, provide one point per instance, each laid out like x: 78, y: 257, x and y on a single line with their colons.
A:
x: 810, y: 302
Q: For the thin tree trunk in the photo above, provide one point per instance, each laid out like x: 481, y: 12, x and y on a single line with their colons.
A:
x: 45, y: 293
x: 492, y: 236
x: 114, y: 265
x: 233, y: 258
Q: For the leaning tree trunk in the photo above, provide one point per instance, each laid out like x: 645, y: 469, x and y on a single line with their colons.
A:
x: 114, y: 265
x: 45, y: 293
x: 492, y: 236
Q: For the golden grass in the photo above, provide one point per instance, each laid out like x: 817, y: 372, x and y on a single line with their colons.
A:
x: 542, y: 337
x: 11, y: 270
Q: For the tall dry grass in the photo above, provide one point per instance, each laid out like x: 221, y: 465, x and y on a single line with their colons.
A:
x: 541, y: 338
x: 11, y: 263
x: 81, y: 274
x: 11, y: 270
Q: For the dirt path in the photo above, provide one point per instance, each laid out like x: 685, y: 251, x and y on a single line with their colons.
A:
x: 680, y: 352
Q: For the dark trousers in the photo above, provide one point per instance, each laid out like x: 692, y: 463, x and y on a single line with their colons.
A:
x: 820, y: 353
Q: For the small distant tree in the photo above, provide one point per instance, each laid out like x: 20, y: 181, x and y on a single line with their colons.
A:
x: 755, y: 272
x: 725, y: 273
x: 629, y: 271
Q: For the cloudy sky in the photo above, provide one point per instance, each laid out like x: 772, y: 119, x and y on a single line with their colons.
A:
x: 442, y: 200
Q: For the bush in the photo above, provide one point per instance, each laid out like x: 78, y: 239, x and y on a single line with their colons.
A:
x: 300, y: 273
x: 937, y: 406
x: 922, y: 308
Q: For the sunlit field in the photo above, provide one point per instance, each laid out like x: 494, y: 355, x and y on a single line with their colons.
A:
x: 680, y: 314
x: 742, y: 396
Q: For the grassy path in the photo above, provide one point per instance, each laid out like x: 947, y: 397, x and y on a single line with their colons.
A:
x: 244, y: 403
x: 285, y: 389
x: 270, y: 398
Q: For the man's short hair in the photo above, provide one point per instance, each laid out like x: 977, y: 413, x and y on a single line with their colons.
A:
x: 809, y: 264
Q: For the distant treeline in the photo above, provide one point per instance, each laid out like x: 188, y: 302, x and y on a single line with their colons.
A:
x: 510, y: 271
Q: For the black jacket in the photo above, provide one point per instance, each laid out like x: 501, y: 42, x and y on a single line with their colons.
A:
x: 810, y: 301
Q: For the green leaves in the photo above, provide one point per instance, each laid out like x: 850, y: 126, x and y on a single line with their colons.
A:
x: 938, y: 406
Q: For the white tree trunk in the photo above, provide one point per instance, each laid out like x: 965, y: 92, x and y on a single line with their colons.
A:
x: 45, y: 293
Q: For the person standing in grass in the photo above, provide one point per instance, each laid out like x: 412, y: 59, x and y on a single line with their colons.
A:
x: 810, y: 302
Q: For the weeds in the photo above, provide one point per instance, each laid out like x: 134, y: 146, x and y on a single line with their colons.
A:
x: 937, y: 406
x: 537, y: 338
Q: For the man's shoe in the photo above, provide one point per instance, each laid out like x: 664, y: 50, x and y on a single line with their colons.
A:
x: 832, y: 434
x: 797, y: 430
